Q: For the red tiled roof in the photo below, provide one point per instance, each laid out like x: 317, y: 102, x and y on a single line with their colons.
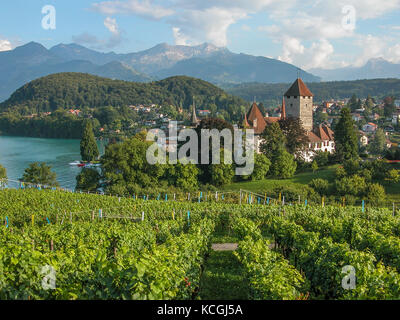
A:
x: 322, y: 133
x: 254, y: 114
x: 270, y: 120
x: 313, y: 137
x: 299, y: 88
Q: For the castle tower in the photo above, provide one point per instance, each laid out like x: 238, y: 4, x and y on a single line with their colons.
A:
x: 299, y: 104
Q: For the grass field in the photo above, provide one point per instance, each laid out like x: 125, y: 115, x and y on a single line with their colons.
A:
x: 301, y: 179
x: 298, y: 180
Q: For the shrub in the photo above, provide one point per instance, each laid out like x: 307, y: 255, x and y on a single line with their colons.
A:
x: 376, y: 194
x: 354, y: 185
x: 320, y: 185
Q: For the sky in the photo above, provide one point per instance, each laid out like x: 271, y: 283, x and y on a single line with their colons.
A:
x: 307, y: 33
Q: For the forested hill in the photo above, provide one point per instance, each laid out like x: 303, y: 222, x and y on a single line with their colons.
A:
x: 77, y: 90
x: 272, y: 93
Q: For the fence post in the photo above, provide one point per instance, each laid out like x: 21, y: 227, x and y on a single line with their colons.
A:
x: 240, y: 197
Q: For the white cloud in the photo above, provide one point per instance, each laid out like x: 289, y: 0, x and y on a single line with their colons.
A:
x: 194, y: 21
x: 315, y: 56
x: 246, y: 28
x: 306, y: 29
x: 5, y: 45
x: 144, y: 8
x: 209, y: 25
x: 376, y: 47
x: 95, y: 43
x: 111, y: 25
x: 180, y: 39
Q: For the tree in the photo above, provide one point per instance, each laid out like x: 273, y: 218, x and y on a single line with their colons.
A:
x: 40, y: 173
x: 88, y: 180
x: 369, y: 102
x: 376, y: 194
x: 210, y: 124
x: 346, y: 137
x: 183, y: 176
x: 3, y: 175
x: 273, y: 140
x: 353, y: 103
x: 389, y: 107
x: 378, y: 144
x: 3, y: 172
x: 320, y: 185
x: 89, y: 150
x: 296, y: 136
x: 314, y: 166
x: 284, y: 165
x: 354, y: 185
x: 322, y: 158
x: 261, y: 167
x: 221, y: 174
x: 125, y: 164
x: 393, y: 176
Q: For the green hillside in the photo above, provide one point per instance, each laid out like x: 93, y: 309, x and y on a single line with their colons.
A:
x: 77, y: 90
x: 271, y: 94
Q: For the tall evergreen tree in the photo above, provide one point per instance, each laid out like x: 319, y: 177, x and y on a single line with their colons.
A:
x: 89, y: 150
x: 378, y: 144
x: 273, y: 139
x: 296, y: 136
x: 346, y: 137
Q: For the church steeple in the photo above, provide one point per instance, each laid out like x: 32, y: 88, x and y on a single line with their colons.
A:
x: 195, y: 121
x: 245, y: 123
x: 283, y: 111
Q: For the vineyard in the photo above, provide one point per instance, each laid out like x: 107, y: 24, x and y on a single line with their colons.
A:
x: 101, y: 247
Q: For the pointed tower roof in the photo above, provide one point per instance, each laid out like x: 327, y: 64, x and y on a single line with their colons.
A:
x: 255, y: 114
x: 194, y: 116
x: 245, y: 123
x: 299, y: 88
x: 283, y: 111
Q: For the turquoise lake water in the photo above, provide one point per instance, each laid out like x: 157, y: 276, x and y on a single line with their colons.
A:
x: 16, y: 153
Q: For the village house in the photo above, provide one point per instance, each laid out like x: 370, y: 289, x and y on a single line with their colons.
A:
x: 75, y: 112
x: 370, y: 127
x: 204, y: 113
x: 364, y: 140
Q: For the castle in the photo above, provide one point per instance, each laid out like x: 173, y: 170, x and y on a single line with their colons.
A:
x: 297, y: 103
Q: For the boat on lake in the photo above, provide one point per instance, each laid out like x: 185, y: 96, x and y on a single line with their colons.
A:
x: 76, y: 163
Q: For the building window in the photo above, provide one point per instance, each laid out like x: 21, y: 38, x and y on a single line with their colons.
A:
x: 295, y: 97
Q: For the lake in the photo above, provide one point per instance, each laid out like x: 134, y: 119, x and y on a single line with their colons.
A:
x: 16, y: 153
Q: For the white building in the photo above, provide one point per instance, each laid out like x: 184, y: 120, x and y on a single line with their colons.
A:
x: 364, y: 140
x: 321, y: 140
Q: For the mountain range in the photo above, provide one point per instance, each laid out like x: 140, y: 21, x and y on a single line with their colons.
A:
x: 207, y: 62
x: 374, y: 69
